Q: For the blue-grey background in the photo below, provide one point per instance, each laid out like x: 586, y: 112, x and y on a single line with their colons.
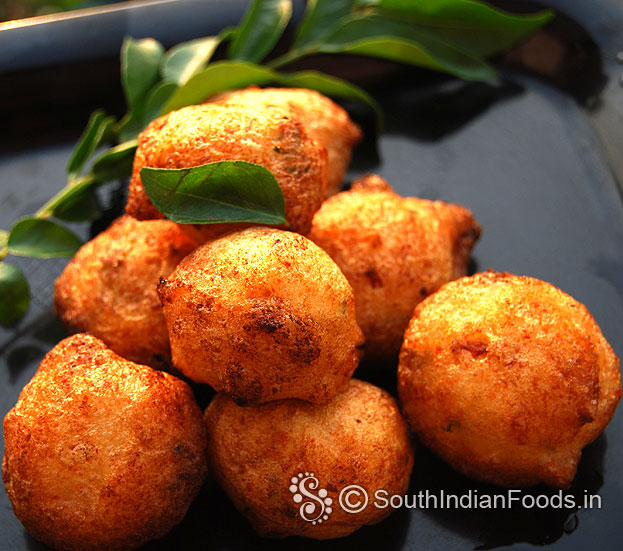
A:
x: 538, y: 168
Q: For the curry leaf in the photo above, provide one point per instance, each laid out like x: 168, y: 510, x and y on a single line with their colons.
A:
x: 229, y: 75
x: 147, y: 110
x: 66, y: 197
x: 42, y: 239
x: 333, y: 87
x: 225, y: 191
x: 116, y: 163
x: 320, y: 19
x: 140, y: 67
x: 79, y: 207
x: 476, y: 26
x: 406, y: 43
x: 89, y: 141
x: 218, y: 77
x: 14, y: 294
x: 260, y: 29
x: 188, y: 58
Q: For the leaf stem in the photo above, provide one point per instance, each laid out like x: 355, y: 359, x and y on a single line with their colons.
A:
x: 48, y: 209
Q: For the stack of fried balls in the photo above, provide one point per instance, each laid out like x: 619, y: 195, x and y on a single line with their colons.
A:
x: 506, y: 378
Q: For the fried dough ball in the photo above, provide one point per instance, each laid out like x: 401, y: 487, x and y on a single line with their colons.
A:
x: 284, y: 464
x: 101, y: 453
x: 109, y: 288
x: 262, y: 314
x: 325, y: 121
x: 394, y: 251
x: 200, y: 134
x: 507, y: 378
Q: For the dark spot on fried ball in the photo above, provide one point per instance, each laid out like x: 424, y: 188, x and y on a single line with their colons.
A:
x: 394, y: 251
x: 281, y: 316
x: 507, y: 378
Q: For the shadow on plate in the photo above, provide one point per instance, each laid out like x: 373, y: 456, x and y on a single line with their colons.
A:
x: 502, y: 527
x: 212, y: 522
x: 435, y: 107
x: 562, y: 54
x: 30, y: 343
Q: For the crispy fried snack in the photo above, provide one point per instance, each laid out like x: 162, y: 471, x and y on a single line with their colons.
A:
x: 325, y: 121
x: 507, y: 378
x: 109, y: 288
x: 201, y: 134
x: 284, y: 464
x: 101, y: 453
x: 262, y: 314
x: 394, y: 251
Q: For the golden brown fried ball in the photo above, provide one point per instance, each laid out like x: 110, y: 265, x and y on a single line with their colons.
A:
x: 101, y: 453
x: 507, y: 378
x: 394, y: 251
x: 325, y: 121
x: 262, y: 314
x: 267, y: 457
x: 201, y: 134
x: 109, y: 288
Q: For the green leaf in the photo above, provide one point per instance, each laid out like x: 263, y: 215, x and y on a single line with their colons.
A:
x: 42, y: 239
x: 260, y: 29
x: 476, y: 26
x: 188, y: 58
x: 218, y: 77
x: 140, y: 67
x: 157, y: 98
x: 232, y: 75
x: 320, y: 19
x: 225, y: 191
x: 116, y: 163
x: 333, y: 87
x: 4, y: 239
x: 14, y: 294
x: 65, y: 196
x: 406, y: 43
x: 147, y: 110
x: 93, y: 134
x: 80, y: 207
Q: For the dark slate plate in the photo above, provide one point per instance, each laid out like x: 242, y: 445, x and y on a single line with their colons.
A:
x: 536, y: 157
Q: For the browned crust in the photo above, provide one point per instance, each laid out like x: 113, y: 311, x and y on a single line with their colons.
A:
x: 357, y: 438
x: 507, y: 378
x: 200, y: 134
x: 262, y: 314
x: 395, y: 252
x: 109, y: 287
x: 101, y: 453
x: 326, y: 122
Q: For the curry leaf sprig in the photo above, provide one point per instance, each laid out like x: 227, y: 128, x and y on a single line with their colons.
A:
x: 453, y: 36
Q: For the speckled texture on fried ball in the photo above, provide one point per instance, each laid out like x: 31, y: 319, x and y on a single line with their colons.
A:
x: 208, y: 133
x: 262, y: 314
x: 257, y: 453
x: 101, y: 453
x: 109, y: 288
x: 394, y: 252
x: 325, y: 121
x: 507, y: 378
